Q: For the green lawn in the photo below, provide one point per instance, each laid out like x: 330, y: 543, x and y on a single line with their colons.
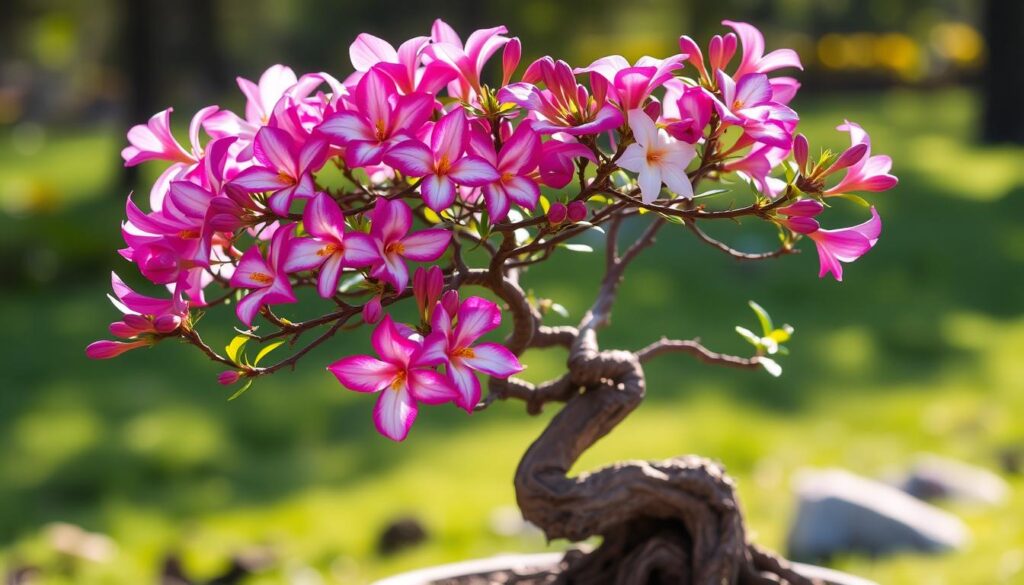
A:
x: 919, y: 350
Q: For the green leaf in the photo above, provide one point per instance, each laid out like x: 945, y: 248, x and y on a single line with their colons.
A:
x: 242, y: 389
x: 762, y: 316
x: 771, y: 366
x: 545, y: 205
x: 711, y: 193
x: 350, y: 282
x: 749, y: 336
x: 591, y: 226
x: 234, y: 349
x: 576, y: 247
x: 672, y: 218
x: 431, y: 216
x: 266, y: 351
x: 782, y: 335
x: 560, y: 309
x: 855, y: 198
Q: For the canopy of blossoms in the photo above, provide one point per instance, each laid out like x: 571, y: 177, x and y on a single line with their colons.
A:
x: 432, y: 164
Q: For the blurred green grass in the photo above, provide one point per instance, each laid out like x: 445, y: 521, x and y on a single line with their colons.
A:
x: 919, y: 350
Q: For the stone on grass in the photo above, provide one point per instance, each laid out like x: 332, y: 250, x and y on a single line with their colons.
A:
x: 933, y: 477
x: 840, y: 513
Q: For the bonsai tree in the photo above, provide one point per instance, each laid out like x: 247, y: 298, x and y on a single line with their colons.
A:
x: 412, y: 161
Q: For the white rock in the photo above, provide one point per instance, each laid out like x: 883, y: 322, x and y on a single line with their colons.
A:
x: 839, y: 512
x: 934, y: 477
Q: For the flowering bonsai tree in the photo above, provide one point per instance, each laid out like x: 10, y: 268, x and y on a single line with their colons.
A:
x: 413, y: 163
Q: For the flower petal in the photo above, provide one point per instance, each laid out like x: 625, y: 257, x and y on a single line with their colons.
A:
x: 411, y: 157
x: 259, y: 179
x: 330, y: 274
x: 389, y: 343
x: 426, y: 245
x: 473, y: 171
x: 493, y: 359
x: 466, y: 384
x: 438, y: 192
x: 429, y: 387
x: 364, y: 373
x: 276, y: 150
x: 476, y: 317
x: 345, y: 126
x: 391, y: 220
x: 358, y: 250
x: 394, y: 413
x: 307, y: 254
x: 449, y: 136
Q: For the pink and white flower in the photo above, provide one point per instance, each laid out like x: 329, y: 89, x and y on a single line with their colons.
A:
x: 631, y: 85
x: 456, y: 347
x: 400, y: 377
x: 869, y: 173
x: 389, y: 229
x: 330, y: 248
x: 516, y: 164
x: 267, y: 280
x: 657, y: 158
x: 285, y: 168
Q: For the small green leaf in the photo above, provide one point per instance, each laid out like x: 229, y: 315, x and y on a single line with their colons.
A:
x: 590, y: 225
x: 350, y: 282
x: 672, y: 218
x: 771, y: 366
x: 711, y: 193
x: 762, y: 316
x: 234, y: 349
x: 266, y: 351
x: 576, y: 247
x: 545, y: 205
x: 242, y: 390
x: 431, y: 216
x: 561, y: 310
x: 856, y: 199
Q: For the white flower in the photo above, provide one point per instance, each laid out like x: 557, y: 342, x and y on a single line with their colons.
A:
x: 657, y: 158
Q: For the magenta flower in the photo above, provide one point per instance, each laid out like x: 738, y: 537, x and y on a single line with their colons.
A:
x: 285, y: 169
x: 558, y: 159
x: 750, y: 103
x: 381, y: 119
x: 403, y: 66
x: 657, y: 158
x: 754, y: 60
x: 686, y: 111
x: 466, y: 61
x: 454, y: 347
x: 400, y: 377
x: 721, y: 49
x: 516, y: 163
x: 329, y: 249
x: 632, y: 85
x: 154, y: 141
x: 144, y: 317
x: 563, y: 105
x: 443, y: 165
x: 267, y: 279
x: 389, y: 228
x: 869, y: 173
x: 261, y: 100
x: 834, y: 246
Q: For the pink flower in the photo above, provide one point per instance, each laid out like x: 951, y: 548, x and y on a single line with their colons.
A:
x: 154, y: 141
x: 400, y: 376
x: 516, y: 163
x: 720, y: 51
x: 104, y: 350
x: 869, y: 173
x: 329, y: 249
x: 558, y: 159
x: 465, y: 61
x: 686, y: 111
x: 382, y: 118
x: 510, y: 59
x: 453, y: 346
x: 403, y: 65
x: 754, y: 60
x: 144, y: 319
x: 443, y: 165
x: 657, y: 158
x: 834, y: 246
x: 389, y: 229
x: 285, y: 169
x: 563, y: 105
x: 267, y: 279
x: 845, y: 245
x: 632, y: 85
x: 750, y: 103
x: 262, y: 99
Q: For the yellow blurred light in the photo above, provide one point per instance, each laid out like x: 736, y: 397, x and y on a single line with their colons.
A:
x: 898, y: 52
x: 958, y: 42
x: 832, y: 51
x: 860, y: 50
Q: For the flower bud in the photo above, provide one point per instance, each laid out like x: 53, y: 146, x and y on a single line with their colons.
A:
x: 577, y: 211
x: 450, y: 302
x: 850, y: 157
x: 510, y: 59
x: 802, y: 225
x: 373, y: 311
x: 800, y: 149
x: 104, y: 350
x: 557, y: 213
x: 167, y: 323
x: 123, y: 330
x: 137, y: 322
x: 802, y: 208
x: 228, y: 377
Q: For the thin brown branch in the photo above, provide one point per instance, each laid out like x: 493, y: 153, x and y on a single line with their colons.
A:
x: 694, y: 348
x: 737, y: 254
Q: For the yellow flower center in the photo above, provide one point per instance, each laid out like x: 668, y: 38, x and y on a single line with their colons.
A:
x: 443, y: 165
x: 261, y: 278
x: 399, y: 382
x: 465, y: 352
x: 327, y: 250
x: 395, y: 248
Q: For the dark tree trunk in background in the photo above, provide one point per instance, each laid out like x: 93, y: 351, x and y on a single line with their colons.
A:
x: 204, y: 48
x: 140, y: 70
x: 1004, y: 77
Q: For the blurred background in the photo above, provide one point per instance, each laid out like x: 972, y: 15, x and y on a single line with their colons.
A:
x: 118, y: 472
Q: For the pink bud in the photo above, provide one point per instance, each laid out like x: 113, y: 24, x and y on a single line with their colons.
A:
x: 557, y: 213
x: 802, y: 225
x: 450, y: 302
x: 427, y: 285
x: 122, y: 330
x: 510, y: 59
x: 577, y: 211
x: 802, y: 208
x: 691, y: 49
x: 373, y: 311
x: 228, y: 377
x: 104, y: 350
x: 137, y: 322
x: 800, y: 149
x: 166, y: 323
x: 850, y: 157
